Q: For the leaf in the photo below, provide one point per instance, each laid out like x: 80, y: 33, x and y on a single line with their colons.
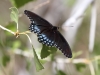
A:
x: 52, y: 50
x: 11, y: 26
x: 28, y: 65
x: 80, y: 67
x: 16, y: 44
x: 77, y: 54
x: 59, y: 72
x: 5, y: 60
x: 46, y: 51
x: 14, y: 14
x: 36, y: 61
x: 18, y: 3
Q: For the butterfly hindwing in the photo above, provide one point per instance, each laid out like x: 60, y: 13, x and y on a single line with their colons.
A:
x: 46, y: 38
x: 37, y: 28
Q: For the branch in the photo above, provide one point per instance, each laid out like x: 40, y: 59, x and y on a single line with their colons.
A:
x: 75, y: 20
x: 59, y: 60
x: 78, y: 12
x: 7, y: 29
x: 92, y: 27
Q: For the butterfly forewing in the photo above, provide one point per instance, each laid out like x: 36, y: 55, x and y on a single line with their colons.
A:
x: 48, y: 34
x: 37, y: 19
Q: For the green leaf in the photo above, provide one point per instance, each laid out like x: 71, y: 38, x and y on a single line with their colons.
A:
x: 52, y: 50
x: 19, y: 3
x: 11, y: 26
x: 36, y: 61
x: 77, y: 54
x: 14, y: 14
x: 46, y: 51
x: 5, y: 60
x: 16, y: 44
x: 80, y: 67
x: 59, y: 72
x: 28, y: 65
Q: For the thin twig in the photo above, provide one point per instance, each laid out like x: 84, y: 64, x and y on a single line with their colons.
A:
x: 61, y: 60
x: 7, y: 29
x: 26, y: 32
x: 37, y: 7
x: 80, y: 60
x: 75, y: 20
x: 17, y: 27
x: 91, y: 69
x: 29, y: 38
x: 40, y: 5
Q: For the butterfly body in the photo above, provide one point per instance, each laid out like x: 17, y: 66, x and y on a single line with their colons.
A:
x: 48, y: 34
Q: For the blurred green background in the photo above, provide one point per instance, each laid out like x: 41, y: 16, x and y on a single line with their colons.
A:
x: 16, y: 56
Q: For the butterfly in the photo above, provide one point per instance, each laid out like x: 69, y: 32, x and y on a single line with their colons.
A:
x: 47, y: 33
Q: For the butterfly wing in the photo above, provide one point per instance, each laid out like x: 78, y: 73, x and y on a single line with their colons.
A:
x: 37, y: 19
x: 63, y: 45
x: 46, y: 35
x: 51, y: 38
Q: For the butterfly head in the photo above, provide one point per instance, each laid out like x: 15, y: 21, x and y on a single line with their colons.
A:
x: 55, y: 28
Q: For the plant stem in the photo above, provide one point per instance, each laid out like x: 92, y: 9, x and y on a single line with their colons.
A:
x: 7, y: 29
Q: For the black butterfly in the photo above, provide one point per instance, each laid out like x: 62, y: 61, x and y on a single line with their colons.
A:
x: 47, y: 33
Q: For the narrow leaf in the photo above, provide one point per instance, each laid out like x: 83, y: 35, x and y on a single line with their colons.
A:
x: 37, y: 62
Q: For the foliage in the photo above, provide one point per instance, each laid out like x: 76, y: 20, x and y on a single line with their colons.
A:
x: 59, y: 72
x: 18, y: 3
x: 46, y: 51
x: 37, y: 62
x: 5, y: 60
